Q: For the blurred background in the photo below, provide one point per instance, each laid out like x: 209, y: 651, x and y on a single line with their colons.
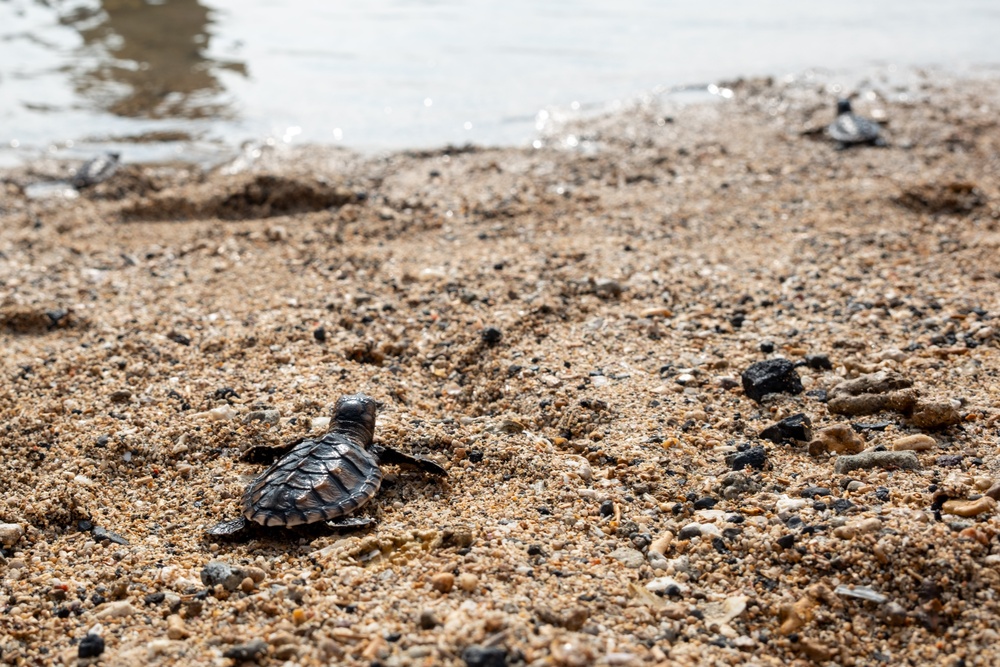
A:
x: 192, y: 79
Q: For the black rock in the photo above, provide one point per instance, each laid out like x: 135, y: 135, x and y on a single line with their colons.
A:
x: 491, y: 335
x: 786, y: 541
x: 841, y: 505
x: 875, y: 426
x: 705, y: 503
x: 755, y: 457
x: 154, y: 598
x: 475, y: 456
x: 819, y: 394
x: 90, y: 646
x: 818, y: 362
x: 689, y: 532
x: 607, y: 508
x: 814, y: 491
x: 790, y: 429
x: 949, y: 460
x: 534, y: 550
x: 882, y: 493
x: 771, y: 376
x: 179, y: 338
x: 767, y: 347
x: 485, y: 656
x: 246, y: 652
x: 319, y: 333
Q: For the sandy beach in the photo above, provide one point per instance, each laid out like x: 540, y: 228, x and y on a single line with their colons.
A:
x: 567, y: 330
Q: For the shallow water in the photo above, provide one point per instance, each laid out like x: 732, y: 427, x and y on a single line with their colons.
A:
x: 190, y: 78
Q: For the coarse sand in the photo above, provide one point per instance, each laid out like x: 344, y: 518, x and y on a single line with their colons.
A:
x: 565, y: 328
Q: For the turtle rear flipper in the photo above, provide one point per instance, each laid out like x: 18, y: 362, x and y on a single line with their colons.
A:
x: 233, y: 529
x: 390, y: 455
x: 350, y: 523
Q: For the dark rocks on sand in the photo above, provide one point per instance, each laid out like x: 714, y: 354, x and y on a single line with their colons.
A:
x: 789, y: 429
x: 491, y: 335
x: 755, y: 457
x: 771, y: 376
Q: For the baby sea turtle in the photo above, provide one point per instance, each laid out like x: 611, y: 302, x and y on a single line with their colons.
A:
x: 849, y: 129
x: 321, y: 479
x: 95, y: 170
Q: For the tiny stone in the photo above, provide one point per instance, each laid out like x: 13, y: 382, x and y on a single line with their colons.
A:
x: 102, y: 534
x: 217, y: 572
x: 10, y: 534
x: 814, y: 491
x: 628, y: 557
x: 91, y: 646
x: 755, y: 457
x: 484, y: 656
x: 121, y: 396
x: 249, y: 651
x: 769, y: 377
x: 818, y: 362
x: 790, y: 429
x: 786, y: 541
x: 468, y: 582
x: 443, y: 582
x: 916, y: 443
x: 319, y: 333
x: 427, y: 620
x: 607, y: 508
x: 491, y: 335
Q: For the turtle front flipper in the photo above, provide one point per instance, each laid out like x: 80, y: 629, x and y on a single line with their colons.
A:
x: 390, y: 455
x: 233, y: 529
x: 270, y: 453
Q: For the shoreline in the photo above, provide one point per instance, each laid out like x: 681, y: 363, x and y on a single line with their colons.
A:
x: 591, y: 514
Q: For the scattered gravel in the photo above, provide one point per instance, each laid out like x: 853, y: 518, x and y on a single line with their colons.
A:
x: 610, y: 500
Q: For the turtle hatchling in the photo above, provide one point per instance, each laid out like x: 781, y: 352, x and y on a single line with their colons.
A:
x: 321, y: 479
x: 95, y: 170
x: 849, y: 129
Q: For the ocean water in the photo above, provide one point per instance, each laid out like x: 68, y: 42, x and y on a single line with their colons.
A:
x: 191, y: 79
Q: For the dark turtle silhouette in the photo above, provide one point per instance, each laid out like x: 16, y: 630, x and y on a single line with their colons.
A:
x: 320, y: 479
x: 95, y: 170
x: 849, y: 129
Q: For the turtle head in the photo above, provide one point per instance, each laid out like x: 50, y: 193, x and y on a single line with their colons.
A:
x: 357, y: 408
x: 843, y: 106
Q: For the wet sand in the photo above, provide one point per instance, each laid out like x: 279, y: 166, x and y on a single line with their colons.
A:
x: 166, y: 320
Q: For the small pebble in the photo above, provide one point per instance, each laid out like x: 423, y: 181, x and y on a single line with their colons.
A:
x: 629, y: 557
x: 468, y: 582
x: 755, y: 457
x: 969, y: 508
x: 10, y: 534
x: 795, y: 428
x: 428, y: 620
x: 916, y: 443
x: 443, y: 582
x: 116, y: 609
x: 217, y: 572
x: 491, y: 335
x: 484, y: 656
x: 249, y: 651
x: 176, y: 628
x: 91, y: 646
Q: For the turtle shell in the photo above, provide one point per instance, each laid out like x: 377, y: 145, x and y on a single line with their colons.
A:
x: 318, y: 480
x: 849, y: 128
